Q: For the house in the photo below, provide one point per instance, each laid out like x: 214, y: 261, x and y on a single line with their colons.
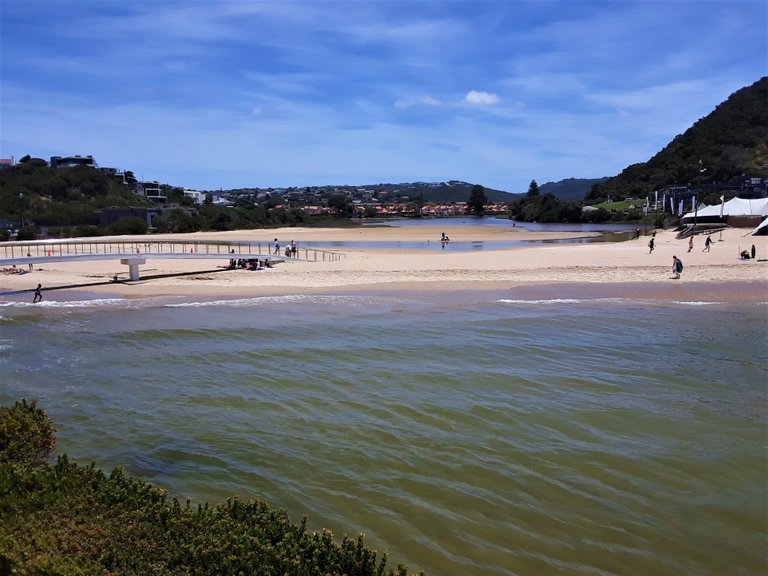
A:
x: 72, y: 161
x: 152, y: 191
x: 197, y: 197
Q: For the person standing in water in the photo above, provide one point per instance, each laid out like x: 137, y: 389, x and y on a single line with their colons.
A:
x: 38, y: 294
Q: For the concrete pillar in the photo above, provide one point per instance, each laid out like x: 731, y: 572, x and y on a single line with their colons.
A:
x: 133, y: 266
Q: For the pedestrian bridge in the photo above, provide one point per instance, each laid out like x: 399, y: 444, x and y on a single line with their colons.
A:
x: 135, y: 252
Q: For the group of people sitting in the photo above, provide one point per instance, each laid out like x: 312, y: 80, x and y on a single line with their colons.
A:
x: 249, y: 264
x: 12, y: 269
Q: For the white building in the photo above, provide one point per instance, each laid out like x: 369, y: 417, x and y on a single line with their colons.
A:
x: 197, y: 196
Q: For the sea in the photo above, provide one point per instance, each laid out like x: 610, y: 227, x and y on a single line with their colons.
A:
x: 462, y: 432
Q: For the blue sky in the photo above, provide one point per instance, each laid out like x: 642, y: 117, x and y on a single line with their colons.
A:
x: 227, y: 94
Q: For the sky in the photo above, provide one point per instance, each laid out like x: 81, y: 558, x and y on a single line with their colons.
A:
x: 226, y: 94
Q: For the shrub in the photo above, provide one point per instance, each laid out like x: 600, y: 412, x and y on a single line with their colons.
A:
x: 26, y: 434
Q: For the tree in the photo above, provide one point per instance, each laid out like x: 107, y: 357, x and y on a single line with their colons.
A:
x: 477, y: 200
x: 533, y: 189
x: 341, y: 204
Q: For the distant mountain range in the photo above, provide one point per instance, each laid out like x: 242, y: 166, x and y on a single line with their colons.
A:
x: 572, y: 189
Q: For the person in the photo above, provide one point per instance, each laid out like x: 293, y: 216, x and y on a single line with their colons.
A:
x: 744, y: 255
x: 677, y: 267
x: 38, y: 294
x: 651, y: 244
x: 294, y: 250
x: 277, y: 248
x: 637, y: 233
x: 690, y: 243
x: 232, y: 262
x: 31, y: 266
x: 707, y: 244
x: 754, y: 252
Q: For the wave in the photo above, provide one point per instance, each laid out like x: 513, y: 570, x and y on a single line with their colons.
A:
x: 261, y: 300
x: 548, y: 301
x: 97, y: 302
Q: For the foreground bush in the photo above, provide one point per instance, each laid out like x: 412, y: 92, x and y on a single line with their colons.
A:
x: 26, y: 434
x: 69, y: 519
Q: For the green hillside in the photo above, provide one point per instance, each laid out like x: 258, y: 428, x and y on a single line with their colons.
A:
x: 731, y: 142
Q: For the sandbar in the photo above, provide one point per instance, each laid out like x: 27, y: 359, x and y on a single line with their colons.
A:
x: 607, y: 269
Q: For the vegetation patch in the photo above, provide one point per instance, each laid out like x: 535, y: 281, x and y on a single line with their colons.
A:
x: 67, y: 519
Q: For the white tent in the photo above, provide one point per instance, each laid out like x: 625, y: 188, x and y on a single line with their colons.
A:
x: 734, y: 207
x: 763, y: 224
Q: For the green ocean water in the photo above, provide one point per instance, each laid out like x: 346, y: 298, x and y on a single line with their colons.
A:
x: 464, y: 433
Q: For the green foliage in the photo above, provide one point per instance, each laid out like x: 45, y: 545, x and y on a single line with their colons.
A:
x: 477, y: 200
x: 27, y: 233
x: 26, y: 434
x: 544, y: 208
x: 129, y: 225
x: 533, y: 189
x: 67, y: 519
x: 33, y: 192
x: 342, y: 206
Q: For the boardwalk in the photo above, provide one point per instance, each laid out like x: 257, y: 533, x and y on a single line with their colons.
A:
x: 134, y: 253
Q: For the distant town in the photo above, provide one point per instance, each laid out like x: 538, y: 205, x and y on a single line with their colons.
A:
x: 74, y: 196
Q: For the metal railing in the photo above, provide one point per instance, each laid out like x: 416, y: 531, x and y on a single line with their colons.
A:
x: 53, y: 248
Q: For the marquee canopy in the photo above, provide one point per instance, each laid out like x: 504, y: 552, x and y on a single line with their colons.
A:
x: 734, y: 207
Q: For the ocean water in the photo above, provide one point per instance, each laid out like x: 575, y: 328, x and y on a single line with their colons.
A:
x: 466, y: 433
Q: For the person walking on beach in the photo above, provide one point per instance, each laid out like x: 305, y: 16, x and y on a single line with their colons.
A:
x: 677, y: 267
x: 651, y: 244
x: 707, y: 244
x: 690, y: 244
x: 277, y: 247
x: 38, y: 294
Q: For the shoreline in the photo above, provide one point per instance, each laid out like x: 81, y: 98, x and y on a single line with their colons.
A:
x: 617, y: 269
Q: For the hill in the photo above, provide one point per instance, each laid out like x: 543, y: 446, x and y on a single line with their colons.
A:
x: 441, y: 192
x: 731, y: 143
x: 438, y: 192
x: 571, y: 189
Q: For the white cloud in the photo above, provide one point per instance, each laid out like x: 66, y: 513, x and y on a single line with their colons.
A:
x: 475, y: 98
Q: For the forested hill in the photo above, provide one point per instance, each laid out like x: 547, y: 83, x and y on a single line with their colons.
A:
x: 731, y: 142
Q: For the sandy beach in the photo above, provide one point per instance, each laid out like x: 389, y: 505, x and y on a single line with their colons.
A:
x: 597, y: 269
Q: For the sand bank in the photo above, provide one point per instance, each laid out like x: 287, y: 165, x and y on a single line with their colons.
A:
x: 616, y: 268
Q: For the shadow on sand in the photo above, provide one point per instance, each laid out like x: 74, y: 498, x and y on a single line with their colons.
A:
x: 143, y: 279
